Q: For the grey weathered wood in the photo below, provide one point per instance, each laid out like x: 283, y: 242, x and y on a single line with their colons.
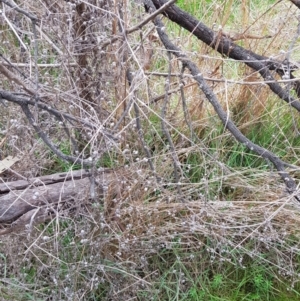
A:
x: 22, y: 200
x: 43, y: 180
x: 18, y: 202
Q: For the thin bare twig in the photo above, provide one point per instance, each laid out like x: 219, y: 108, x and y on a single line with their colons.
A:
x: 12, y: 77
x: 151, y: 17
x: 176, y: 163
x: 184, y: 105
x: 49, y: 143
x: 138, y: 123
x: 140, y: 25
x: 230, y: 81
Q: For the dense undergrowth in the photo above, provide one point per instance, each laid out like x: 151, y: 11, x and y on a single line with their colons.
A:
x: 225, y: 229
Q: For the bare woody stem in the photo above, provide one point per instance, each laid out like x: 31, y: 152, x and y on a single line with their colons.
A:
x: 227, y: 122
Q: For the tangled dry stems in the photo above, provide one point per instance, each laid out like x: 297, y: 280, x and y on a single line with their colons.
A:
x: 229, y: 214
x: 121, y: 248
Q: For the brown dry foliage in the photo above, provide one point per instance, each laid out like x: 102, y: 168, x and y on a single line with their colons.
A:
x: 113, y: 242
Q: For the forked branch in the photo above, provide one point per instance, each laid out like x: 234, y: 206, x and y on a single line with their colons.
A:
x: 227, y: 122
x: 227, y: 47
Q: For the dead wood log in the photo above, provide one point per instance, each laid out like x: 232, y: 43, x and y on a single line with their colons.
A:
x: 43, y: 180
x: 22, y: 202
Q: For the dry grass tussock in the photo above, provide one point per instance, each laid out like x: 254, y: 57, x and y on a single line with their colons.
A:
x: 132, y: 249
x: 205, y: 206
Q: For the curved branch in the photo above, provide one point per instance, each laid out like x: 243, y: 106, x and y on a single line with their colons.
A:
x: 24, y: 103
x: 13, y: 97
x: 48, y: 142
x: 211, y: 97
x: 225, y: 46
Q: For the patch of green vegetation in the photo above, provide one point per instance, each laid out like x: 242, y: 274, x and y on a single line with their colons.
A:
x: 194, y: 171
x: 195, y: 7
x: 30, y: 273
x: 154, y: 137
x: 277, y: 132
x: 101, y: 291
x: 108, y: 160
x: 240, y: 156
x: 199, y: 276
x: 60, y: 165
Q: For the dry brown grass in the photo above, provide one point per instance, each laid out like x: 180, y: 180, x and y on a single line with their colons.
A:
x: 121, y: 245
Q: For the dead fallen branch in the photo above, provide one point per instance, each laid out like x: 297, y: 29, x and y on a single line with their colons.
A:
x: 224, y: 117
x: 36, y: 200
x: 225, y: 46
